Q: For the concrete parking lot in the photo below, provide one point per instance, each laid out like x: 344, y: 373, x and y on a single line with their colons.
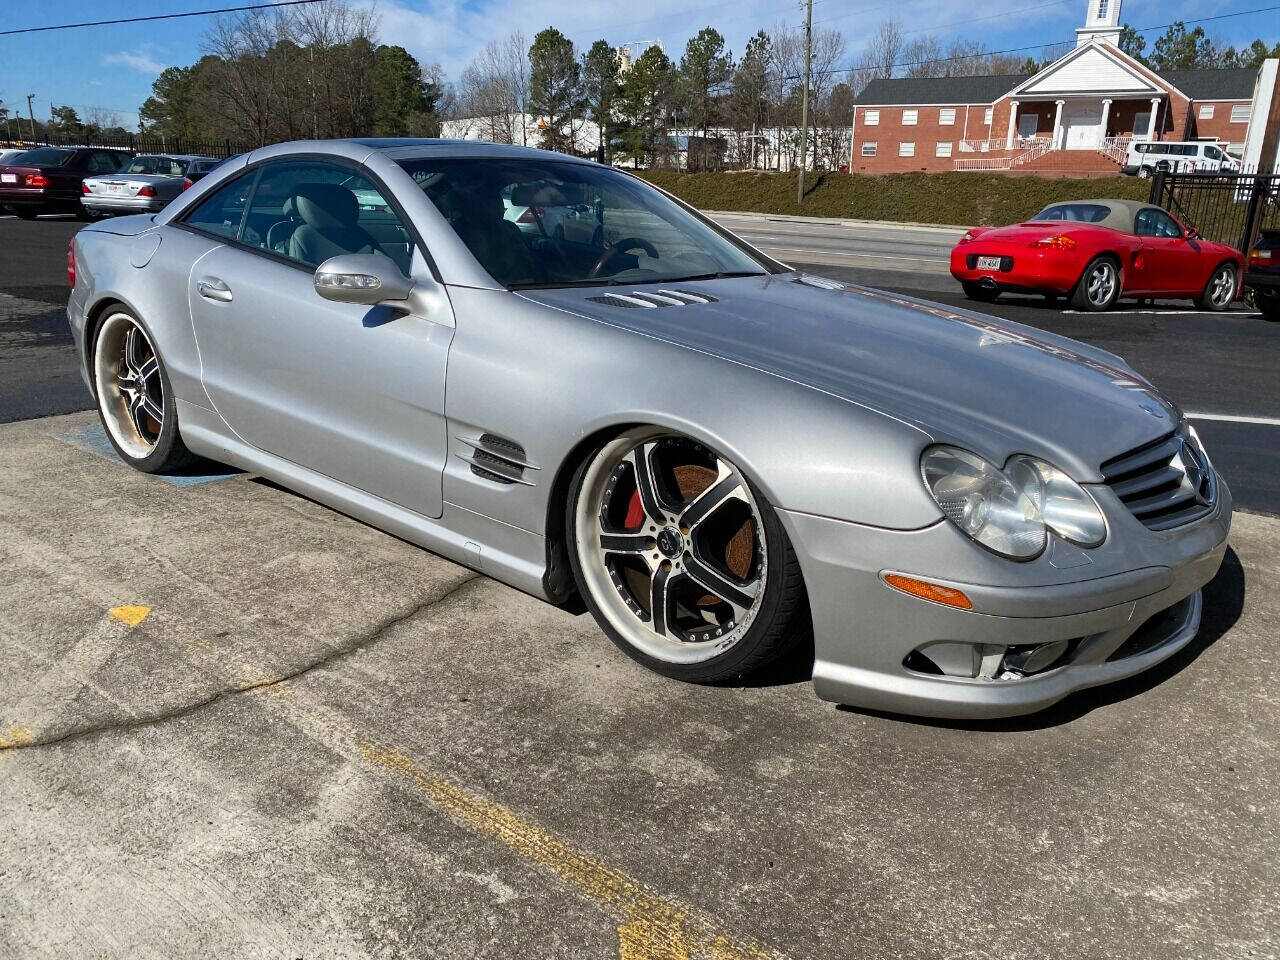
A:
x: 235, y: 723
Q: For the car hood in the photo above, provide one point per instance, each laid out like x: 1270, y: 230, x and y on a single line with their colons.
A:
x: 992, y: 385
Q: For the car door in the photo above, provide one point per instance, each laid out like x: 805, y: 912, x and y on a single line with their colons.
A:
x: 354, y: 393
x: 1170, y: 263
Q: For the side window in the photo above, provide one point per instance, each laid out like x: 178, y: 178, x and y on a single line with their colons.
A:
x: 221, y: 212
x: 312, y: 210
x: 1155, y: 223
x: 104, y: 162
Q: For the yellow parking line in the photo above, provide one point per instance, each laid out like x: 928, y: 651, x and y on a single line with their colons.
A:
x: 129, y: 616
x: 650, y: 928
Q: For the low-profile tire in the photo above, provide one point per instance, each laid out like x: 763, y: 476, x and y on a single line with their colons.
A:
x: 976, y: 291
x: 25, y: 213
x: 659, y: 522
x: 1220, y: 291
x: 1098, y: 287
x: 135, y: 400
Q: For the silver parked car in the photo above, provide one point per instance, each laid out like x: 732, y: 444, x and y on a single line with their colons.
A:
x: 719, y: 453
x: 144, y: 185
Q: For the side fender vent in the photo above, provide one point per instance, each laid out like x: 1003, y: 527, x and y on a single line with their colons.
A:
x: 497, y: 459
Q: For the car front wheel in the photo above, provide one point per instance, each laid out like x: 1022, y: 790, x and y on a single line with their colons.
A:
x: 681, y: 561
x: 1220, y: 290
x: 135, y: 400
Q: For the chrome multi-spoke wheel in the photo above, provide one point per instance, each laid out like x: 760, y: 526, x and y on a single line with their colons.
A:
x: 133, y: 395
x: 1099, y: 285
x: 1221, y: 289
x: 673, y: 549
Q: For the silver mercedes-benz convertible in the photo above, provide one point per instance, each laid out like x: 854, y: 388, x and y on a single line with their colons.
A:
x: 719, y: 453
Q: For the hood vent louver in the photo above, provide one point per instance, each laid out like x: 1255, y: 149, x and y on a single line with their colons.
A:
x: 643, y: 299
x: 822, y: 283
x: 497, y: 459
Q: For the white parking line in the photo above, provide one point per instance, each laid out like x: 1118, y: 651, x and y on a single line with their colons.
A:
x: 1236, y: 418
x: 1174, y: 313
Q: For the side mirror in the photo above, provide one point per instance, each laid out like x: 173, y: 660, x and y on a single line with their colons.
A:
x: 363, y: 278
x: 1192, y: 233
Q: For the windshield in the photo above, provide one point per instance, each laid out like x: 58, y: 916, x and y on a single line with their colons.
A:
x: 548, y: 223
x: 43, y: 157
x: 161, y: 166
x: 1077, y: 212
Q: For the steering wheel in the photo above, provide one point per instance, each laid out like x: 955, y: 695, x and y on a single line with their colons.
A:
x: 622, y: 246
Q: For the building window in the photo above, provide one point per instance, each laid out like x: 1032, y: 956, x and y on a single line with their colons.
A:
x: 907, y: 148
x: 942, y: 149
x: 871, y: 118
x: 1102, y: 9
x: 1206, y: 111
x: 986, y: 116
x: 947, y: 116
x: 1240, y: 113
x: 869, y: 148
x: 909, y: 117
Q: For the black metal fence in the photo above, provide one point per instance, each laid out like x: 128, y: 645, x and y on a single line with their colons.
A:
x: 1227, y: 207
x: 137, y: 143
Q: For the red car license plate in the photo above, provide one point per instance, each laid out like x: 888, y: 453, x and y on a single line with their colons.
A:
x: 988, y: 263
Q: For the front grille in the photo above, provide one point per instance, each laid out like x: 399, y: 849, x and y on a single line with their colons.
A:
x: 1165, y: 483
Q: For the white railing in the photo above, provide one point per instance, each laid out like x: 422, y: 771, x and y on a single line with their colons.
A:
x: 1028, y: 149
x: 1116, y: 148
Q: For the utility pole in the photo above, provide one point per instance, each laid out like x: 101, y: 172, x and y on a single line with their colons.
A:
x: 32, y: 114
x: 804, y: 99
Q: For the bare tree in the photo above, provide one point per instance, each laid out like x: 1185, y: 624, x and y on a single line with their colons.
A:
x: 494, y: 90
x: 786, y: 59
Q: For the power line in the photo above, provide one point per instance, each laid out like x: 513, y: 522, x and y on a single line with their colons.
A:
x: 157, y: 16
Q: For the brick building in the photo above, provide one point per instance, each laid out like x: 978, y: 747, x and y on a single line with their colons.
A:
x: 1076, y: 116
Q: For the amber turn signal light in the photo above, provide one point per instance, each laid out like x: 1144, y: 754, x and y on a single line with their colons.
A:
x: 928, y: 591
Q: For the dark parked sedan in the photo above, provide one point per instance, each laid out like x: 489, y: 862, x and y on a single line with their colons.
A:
x: 50, y: 179
x: 1262, y: 276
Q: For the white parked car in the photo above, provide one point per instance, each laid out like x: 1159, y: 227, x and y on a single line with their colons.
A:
x: 1145, y: 157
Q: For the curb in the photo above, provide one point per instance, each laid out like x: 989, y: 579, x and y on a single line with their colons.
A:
x: 835, y: 221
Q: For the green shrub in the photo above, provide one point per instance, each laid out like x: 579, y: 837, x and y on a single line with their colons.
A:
x: 963, y: 199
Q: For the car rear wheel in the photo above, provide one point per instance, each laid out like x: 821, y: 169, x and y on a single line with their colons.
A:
x: 1220, y: 290
x: 1099, y: 286
x: 681, y: 561
x: 976, y: 291
x: 1270, y: 307
x: 135, y: 400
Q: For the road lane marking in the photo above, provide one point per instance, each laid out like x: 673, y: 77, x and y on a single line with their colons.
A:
x: 651, y: 927
x: 129, y: 616
x: 1236, y: 418
x: 861, y: 256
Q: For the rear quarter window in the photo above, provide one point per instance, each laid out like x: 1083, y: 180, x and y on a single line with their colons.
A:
x: 1075, y: 212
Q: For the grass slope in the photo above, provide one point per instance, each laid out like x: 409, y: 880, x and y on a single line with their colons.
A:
x: 966, y: 199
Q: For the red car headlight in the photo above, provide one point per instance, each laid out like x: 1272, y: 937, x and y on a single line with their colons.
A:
x: 1055, y: 243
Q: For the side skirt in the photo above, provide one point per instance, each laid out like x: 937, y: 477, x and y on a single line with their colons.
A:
x: 515, y: 556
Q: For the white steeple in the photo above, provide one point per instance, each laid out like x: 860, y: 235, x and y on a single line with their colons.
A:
x: 1101, y: 23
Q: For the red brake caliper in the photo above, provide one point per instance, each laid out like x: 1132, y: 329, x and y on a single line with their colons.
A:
x: 635, y: 512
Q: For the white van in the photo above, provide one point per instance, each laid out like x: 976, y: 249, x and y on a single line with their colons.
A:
x: 1145, y: 157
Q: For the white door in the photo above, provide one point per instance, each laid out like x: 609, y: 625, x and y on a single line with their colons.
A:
x: 1081, y: 125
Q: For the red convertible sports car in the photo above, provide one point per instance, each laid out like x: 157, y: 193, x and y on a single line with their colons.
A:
x: 1094, y: 251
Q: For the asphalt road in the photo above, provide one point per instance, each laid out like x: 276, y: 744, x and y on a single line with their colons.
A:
x: 234, y: 723
x: 1221, y: 368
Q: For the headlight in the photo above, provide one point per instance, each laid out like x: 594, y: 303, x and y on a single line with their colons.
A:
x: 1010, y: 511
x: 1064, y: 506
x: 979, y: 499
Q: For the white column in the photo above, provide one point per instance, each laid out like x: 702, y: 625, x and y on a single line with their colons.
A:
x: 1056, y: 142
x: 1013, y: 124
x: 1106, y: 114
x: 1155, y: 111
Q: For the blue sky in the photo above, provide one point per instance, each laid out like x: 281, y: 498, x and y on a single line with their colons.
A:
x: 112, y: 67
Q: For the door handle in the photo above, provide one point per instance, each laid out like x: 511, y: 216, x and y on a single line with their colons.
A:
x: 211, y: 288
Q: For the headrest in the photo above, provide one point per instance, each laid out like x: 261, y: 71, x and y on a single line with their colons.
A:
x: 326, y: 205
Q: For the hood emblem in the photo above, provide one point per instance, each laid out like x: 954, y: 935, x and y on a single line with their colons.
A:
x: 1195, y: 468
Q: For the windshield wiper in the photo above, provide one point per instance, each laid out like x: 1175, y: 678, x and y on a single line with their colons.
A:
x: 555, y: 284
x: 722, y: 275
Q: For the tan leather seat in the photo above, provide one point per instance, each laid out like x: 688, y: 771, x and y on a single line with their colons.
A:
x: 329, y: 228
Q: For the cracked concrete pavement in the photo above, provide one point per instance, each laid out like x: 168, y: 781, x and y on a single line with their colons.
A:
x: 236, y: 723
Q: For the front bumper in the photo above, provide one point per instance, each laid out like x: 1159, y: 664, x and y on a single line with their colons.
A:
x: 1123, y: 607
x: 1263, y: 281
x: 123, y: 205
x: 1025, y: 269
